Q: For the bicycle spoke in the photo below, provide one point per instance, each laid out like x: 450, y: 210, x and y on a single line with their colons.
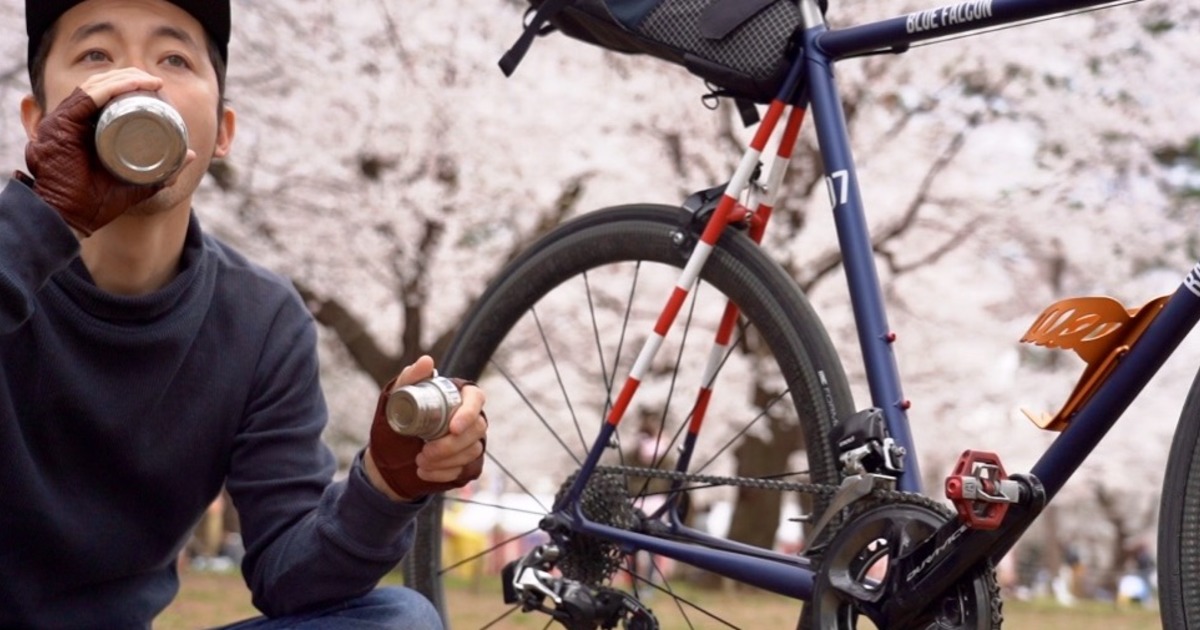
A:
x: 608, y: 378
x: 536, y: 413
x: 505, y: 508
x: 682, y: 600
x: 743, y: 431
x: 517, y: 481
x: 502, y: 617
x: 489, y: 550
x: 637, y: 272
x: 667, y: 586
x: 558, y: 377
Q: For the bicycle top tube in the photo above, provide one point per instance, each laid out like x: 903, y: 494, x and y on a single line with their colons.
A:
x: 966, y: 16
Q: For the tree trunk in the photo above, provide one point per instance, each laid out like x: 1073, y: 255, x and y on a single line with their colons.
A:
x: 756, y: 513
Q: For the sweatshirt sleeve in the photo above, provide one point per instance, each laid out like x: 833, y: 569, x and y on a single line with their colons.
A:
x: 35, y: 243
x: 309, y: 542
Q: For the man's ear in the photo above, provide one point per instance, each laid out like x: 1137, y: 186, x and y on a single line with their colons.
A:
x: 226, y: 128
x: 31, y: 116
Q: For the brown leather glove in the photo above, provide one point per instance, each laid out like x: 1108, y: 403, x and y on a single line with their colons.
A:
x: 395, y: 455
x: 68, y: 175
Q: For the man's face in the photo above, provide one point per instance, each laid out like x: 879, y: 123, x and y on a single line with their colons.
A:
x: 156, y: 37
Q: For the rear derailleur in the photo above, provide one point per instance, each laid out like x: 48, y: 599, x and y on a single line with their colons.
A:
x: 577, y: 606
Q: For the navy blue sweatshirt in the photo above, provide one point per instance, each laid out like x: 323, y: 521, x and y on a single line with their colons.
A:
x: 121, y: 418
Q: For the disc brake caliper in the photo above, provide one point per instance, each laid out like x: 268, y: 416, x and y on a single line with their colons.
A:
x: 980, y: 490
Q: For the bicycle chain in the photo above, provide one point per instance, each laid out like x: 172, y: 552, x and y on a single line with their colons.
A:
x: 819, y: 489
x: 823, y: 490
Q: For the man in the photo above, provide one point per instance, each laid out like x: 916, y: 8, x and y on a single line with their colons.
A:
x: 144, y: 365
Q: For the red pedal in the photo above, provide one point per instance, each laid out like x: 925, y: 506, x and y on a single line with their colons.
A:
x: 979, y: 490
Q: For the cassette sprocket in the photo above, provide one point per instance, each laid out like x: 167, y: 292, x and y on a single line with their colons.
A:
x: 605, y: 500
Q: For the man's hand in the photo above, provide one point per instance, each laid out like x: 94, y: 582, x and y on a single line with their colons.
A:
x: 61, y: 155
x: 408, y: 468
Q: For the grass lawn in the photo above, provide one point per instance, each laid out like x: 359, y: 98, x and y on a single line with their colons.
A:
x: 213, y: 599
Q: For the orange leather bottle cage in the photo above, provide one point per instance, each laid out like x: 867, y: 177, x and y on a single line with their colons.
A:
x: 1100, y: 330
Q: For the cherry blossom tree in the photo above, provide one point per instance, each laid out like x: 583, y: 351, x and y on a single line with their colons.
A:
x: 386, y: 166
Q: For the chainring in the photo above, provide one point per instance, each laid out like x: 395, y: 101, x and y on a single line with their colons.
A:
x: 854, y: 568
x: 605, y: 500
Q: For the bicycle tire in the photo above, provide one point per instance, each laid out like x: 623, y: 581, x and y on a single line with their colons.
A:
x: 1179, y: 522
x: 650, y: 239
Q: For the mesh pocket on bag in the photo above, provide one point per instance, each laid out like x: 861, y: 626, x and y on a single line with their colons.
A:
x: 743, y: 47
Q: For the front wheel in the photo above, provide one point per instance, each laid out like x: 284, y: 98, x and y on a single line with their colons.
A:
x: 551, y: 342
x: 1179, y: 522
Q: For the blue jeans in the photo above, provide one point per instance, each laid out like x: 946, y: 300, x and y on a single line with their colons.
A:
x: 390, y: 607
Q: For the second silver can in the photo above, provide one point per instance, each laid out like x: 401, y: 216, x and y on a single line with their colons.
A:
x: 423, y: 409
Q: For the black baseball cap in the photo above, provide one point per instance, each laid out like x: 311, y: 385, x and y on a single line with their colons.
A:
x: 213, y: 15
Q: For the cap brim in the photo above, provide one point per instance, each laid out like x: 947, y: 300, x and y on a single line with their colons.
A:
x: 213, y: 16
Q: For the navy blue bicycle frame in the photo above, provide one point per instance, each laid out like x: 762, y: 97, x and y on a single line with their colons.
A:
x: 812, y: 77
x: 822, y: 47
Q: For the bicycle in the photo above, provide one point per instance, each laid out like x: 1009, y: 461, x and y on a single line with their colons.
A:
x: 875, y: 548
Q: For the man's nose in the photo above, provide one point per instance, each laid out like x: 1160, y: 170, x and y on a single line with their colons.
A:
x: 139, y: 61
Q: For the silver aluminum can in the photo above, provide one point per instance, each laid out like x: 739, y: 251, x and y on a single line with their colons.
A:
x: 423, y: 409
x: 141, y: 139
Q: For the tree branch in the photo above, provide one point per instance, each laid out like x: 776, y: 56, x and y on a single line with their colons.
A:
x: 564, y: 206
x: 414, y: 292
x: 352, y: 333
x: 828, y: 262
x: 951, y: 243
x: 394, y: 36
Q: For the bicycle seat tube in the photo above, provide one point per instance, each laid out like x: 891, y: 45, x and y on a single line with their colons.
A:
x: 875, y: 337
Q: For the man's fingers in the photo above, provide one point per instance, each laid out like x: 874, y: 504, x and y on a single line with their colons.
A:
x: 466, y: 431
x: 419, y: 370
x: 449, y: 452
x: 463, y: 444
x: 469, y: 413
x: 440, y: 476
x: 105, y: 86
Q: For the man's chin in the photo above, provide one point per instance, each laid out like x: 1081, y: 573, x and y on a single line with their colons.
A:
x: 158, y: 203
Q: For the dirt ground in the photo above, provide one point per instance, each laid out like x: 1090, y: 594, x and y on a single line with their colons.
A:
x: 212, y: 599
